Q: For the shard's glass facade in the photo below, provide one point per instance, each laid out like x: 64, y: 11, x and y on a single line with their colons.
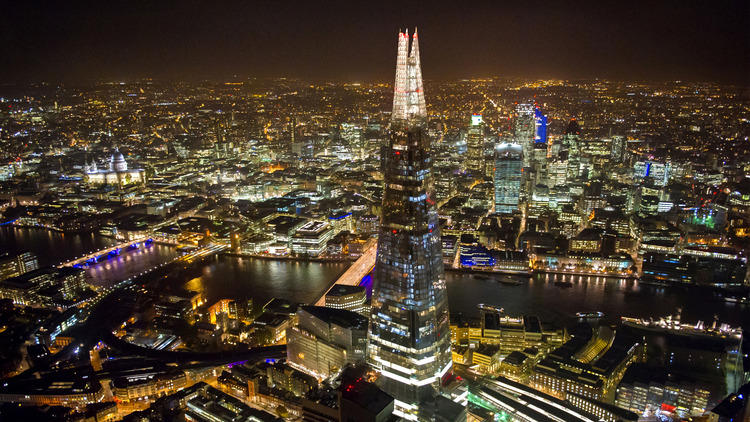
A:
x: 409, y: 335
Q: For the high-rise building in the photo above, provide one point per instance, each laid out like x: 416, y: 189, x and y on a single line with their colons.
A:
x: 538, y: 159
x: 72, y: 282
x: 539, y: 163
x: 571, y: 141
x: 292, y: 134
x: 354, y: 137
x: 409, y: 335
x: 659, y: 172
x: 523, y: 130
x: 475, y: 146
x: 618, y: 149
x: 508, y: 173
x: 540, y: 126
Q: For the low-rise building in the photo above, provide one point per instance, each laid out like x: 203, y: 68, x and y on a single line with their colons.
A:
x: 326, y: 340
x: 516, y: 366
x: 211, y: 404
x: 286, y: 378
x: 312, y: 238
x: 461, y: 354
x: 15, y: 265
x: 580, y: 366
x: 149, y: 387
x: 605, y: 411
x: 643, y: 388
x: 350, y: 298
x: 516, y: 333
x: 488, y: 357
x: 588, y: 240
x: 51, y: 328
x: 276, y: 324
x: 74, y: 392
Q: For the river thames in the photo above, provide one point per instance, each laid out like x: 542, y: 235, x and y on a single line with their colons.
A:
x: 263, y: 279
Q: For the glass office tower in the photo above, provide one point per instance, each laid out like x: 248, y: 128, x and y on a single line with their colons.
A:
x: 523, y: 130
x: 409, y: 334
x: 508, y: 175
x: 475, y: 147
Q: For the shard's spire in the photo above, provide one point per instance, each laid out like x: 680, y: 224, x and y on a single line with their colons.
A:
x: 408, y: 92
x: 416, y: 90
x: 399, y: 87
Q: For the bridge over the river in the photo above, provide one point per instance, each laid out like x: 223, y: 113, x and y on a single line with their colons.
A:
x: 359, y: 269
x: 96, y: 256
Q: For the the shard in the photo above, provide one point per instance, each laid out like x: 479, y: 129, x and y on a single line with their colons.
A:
x: 409, y: 334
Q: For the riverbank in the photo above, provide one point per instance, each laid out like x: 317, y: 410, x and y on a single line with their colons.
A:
x: 291, y: 258
x: 488, y: 272
x: 585, y: 274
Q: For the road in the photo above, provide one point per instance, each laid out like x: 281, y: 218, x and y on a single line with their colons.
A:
x: 203, y: 252
x: 354, y: 274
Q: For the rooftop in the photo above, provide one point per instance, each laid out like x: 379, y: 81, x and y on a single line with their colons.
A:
x: 340, y: 317
x: 344, y: 290
x: 515, y: 358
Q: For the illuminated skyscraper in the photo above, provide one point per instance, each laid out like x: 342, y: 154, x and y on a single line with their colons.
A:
x: 618, y: 149
x: 508, y: 172
x: 538, y: 159
x: 475, y: 162
x: 523, y: 130
x: 571, y: 138
x: 571, y: 142
x: 540, y: 126
x: 409, y: 335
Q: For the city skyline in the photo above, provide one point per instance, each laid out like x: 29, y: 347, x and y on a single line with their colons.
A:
x: 488, y: 249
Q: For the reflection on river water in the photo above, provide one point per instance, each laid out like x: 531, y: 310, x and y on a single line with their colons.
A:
x: 230, y: 277
x: 614, y: 296
x: 262, y: 279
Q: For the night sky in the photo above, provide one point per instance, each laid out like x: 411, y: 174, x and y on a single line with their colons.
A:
x: 707, y: 40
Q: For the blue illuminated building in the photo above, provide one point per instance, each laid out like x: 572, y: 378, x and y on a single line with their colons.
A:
x: 540, y: 123
x: 476, y: 256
